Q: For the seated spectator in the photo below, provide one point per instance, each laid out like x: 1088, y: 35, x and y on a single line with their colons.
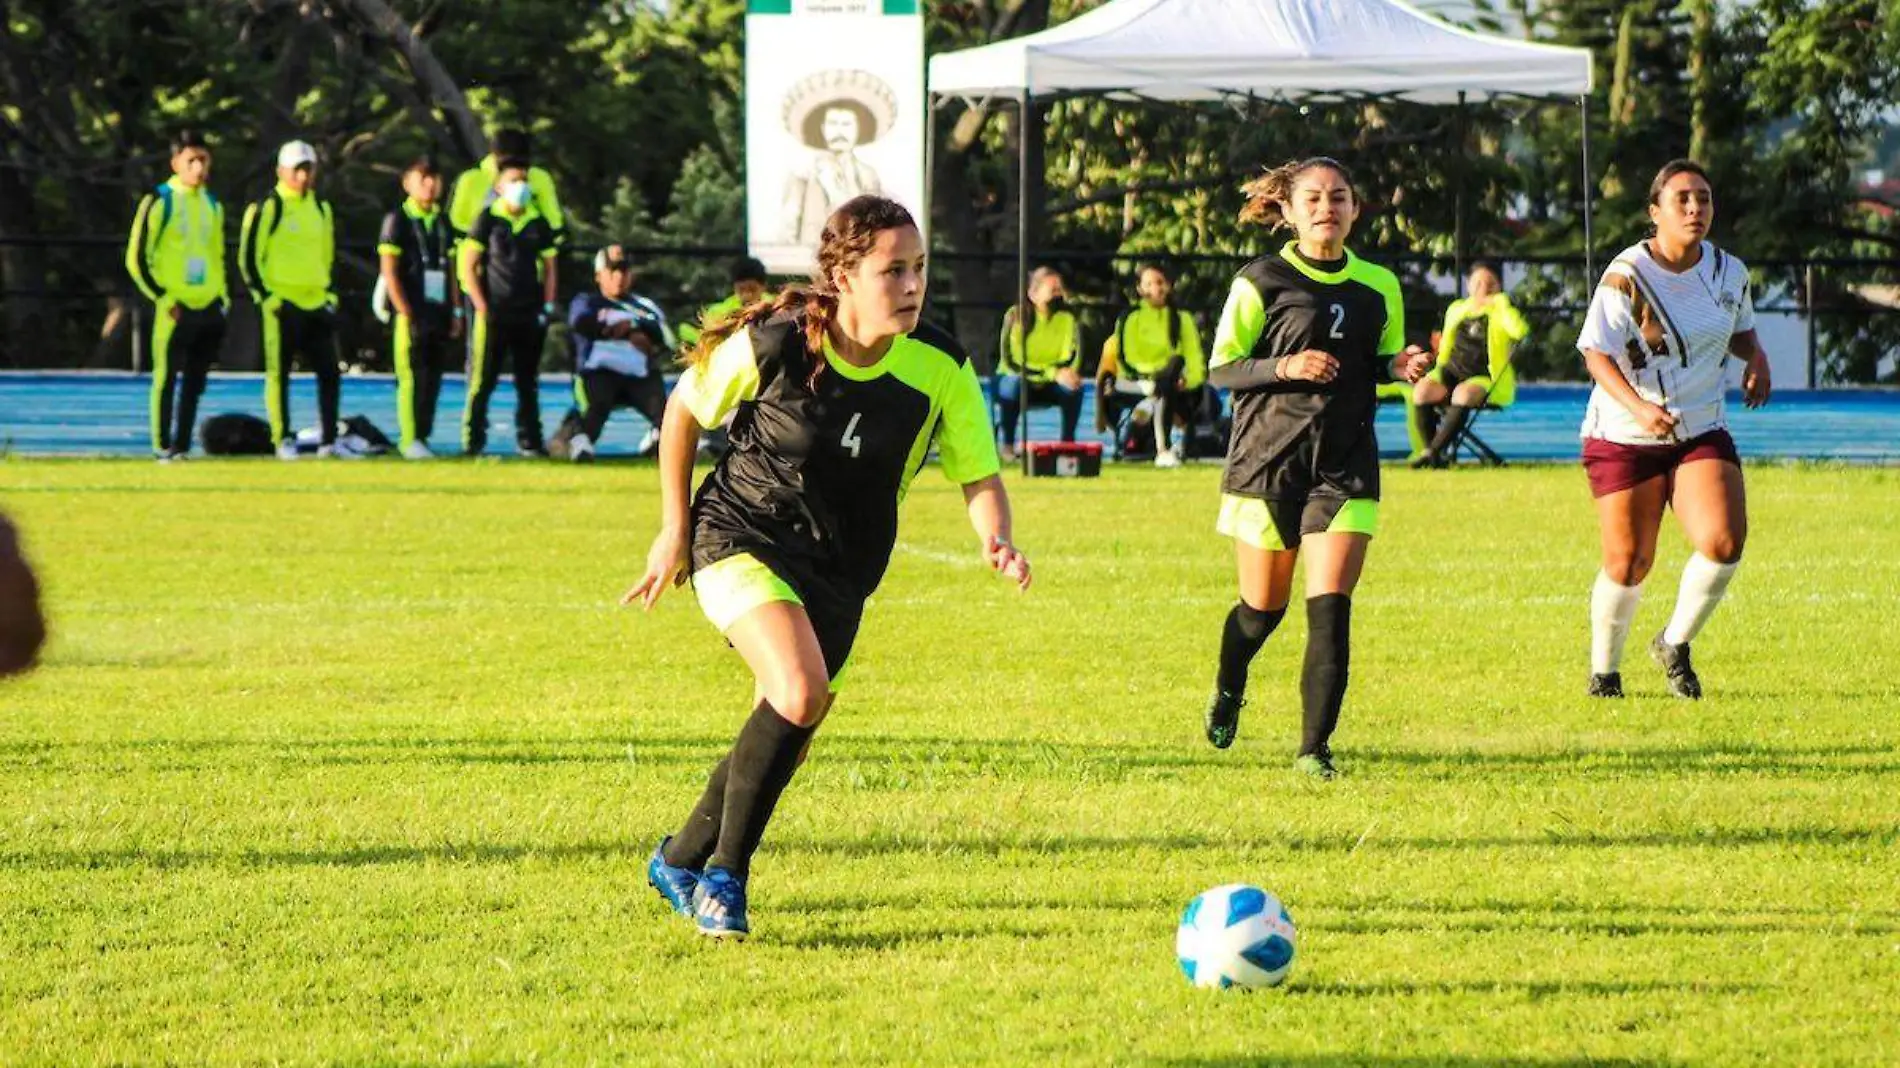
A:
x: 621, y: 344
x: 747, y: 276
x: 1049, y: 359
x: 1155, y: 352
x: 1474, y: 361
x: 474, y: 188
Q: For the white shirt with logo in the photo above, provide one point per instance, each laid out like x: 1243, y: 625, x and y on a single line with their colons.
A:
x: 621, y: 356
x: 1669, y: 334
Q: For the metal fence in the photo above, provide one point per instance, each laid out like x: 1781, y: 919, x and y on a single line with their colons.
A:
x: 90, y: 316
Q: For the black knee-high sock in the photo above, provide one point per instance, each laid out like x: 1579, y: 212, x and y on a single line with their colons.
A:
x: 1245, y: 632
x: 700, y: 833
x: 1328, y: 655
x: 1428, y: 420
x: 1456, y: 416
x: 763, y: 761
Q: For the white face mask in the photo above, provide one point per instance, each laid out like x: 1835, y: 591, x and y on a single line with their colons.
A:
x: 515, y: 193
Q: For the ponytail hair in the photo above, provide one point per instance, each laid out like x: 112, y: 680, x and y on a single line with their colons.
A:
x: 1268, y: 194
x: 849, y: 235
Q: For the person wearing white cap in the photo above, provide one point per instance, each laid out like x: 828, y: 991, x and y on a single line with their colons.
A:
x: 286, y: 251
x: 621, y: 341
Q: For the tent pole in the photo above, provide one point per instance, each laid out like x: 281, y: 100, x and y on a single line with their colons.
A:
x: 1025, y: 313
x: 930, y: 161
x: 1458, y: 174
x: 1589, y: 237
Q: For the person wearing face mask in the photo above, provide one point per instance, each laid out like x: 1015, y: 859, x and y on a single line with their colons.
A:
x: 1306, y: 335
x: 508, y: 273
x: 1043, y: 368
x: 474, y: 188
x: 1474, y: 361
x: 836, y: 393
x: 1155, y: 352
x: 1666, y: 318
x: 621, y: 343
x: 415, y: 249
x: 286, y: 251
x: 175, y: 256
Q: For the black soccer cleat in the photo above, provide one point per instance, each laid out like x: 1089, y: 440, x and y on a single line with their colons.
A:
x: 1223, y: 718
x: 1609, y: 684
x: 1676, y: 667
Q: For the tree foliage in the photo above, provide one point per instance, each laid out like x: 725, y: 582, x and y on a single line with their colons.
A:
x: 636, y: 108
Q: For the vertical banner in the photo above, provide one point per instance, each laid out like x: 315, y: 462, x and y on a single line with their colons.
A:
x: 834, y: 97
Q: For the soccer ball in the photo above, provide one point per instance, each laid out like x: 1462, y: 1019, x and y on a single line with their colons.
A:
x: 1235, y: 935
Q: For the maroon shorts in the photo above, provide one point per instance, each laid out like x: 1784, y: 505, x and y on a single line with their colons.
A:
x: 1613, y: 467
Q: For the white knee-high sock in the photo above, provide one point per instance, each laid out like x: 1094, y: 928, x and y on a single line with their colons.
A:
x: 1612, y: 608
x: 1703, y: 583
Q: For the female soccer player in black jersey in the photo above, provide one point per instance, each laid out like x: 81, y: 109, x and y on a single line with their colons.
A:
x: 836, y: 395
x: 1306, y: 335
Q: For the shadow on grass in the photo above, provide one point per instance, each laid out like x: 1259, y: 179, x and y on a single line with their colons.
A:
x: 884, y: 845
x: 928, y: 934
x: 1401, y: 1061
x: 880, y: 759
x: 1534, y: 989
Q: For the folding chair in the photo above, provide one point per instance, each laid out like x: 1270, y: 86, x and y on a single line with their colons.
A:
x: 1468, y: 436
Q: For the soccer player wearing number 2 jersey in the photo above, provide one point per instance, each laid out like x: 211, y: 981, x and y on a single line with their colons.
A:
x: 1306, y: 336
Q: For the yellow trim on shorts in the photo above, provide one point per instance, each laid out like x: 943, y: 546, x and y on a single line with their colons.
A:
x: 729, y: 588
x: 1247, y: 519
x: 1437, y: 374
x: 1359, y: 515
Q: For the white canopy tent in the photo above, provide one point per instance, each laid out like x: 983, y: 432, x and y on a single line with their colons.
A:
x: 1215, y: 49
x: 1195, y: 50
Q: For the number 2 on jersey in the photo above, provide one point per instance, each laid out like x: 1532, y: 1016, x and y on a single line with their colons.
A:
x: 851, y: 440
x: 1339, y: 320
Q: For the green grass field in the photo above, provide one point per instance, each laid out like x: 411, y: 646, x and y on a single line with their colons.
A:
x: 360, y: 764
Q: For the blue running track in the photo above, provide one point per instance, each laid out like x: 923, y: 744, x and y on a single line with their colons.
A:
x: 104, y: 414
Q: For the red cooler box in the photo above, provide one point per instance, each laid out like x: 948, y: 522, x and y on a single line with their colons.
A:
x: 1063, y: 459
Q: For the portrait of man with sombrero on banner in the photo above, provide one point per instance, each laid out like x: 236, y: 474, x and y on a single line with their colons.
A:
x: 831, y: 114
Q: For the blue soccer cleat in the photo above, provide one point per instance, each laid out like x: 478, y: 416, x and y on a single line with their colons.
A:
x: 676, y: 885
x: 719, y: 905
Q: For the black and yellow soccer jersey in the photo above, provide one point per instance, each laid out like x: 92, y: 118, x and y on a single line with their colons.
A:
x: 1295, y: 438
x: 514, y: 249
x: 813, y: 478
x: 424, y: 247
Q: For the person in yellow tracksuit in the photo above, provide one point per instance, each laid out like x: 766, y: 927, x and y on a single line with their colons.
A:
x: 1155, y: 352
x: 1474, y: 360
x: 1044, y: 368
x: 175, y: 255
x: 474, y: 190
x: 286, y: 252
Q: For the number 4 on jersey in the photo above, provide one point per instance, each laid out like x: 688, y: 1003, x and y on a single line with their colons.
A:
x: 851, y: 440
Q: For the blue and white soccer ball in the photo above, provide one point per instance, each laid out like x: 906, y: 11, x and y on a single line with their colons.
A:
x: 1235, y: 935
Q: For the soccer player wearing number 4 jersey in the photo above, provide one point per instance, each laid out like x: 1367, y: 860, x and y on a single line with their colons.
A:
x: 1306, y: 336
x: 836, y: 395
x: 1666, y: 317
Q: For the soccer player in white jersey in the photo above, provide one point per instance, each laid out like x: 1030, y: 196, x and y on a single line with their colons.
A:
x: 1666, y: 317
